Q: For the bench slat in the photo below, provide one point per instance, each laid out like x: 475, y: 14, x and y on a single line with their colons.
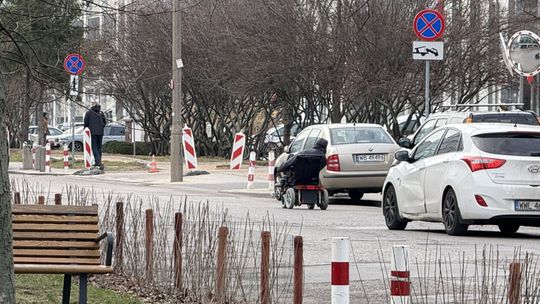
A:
x: 45, y: 218
x: 17, y: 235
x: 55, y: 244
x: 53, y: 260
x: 54, y: 209
x: 55, y: 227
x: 61, y: 269
x: 56, y: 253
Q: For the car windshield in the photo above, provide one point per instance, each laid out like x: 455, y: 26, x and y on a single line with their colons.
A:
x: 359, y: 135
x: 515, y: 143
x: 502, y: 117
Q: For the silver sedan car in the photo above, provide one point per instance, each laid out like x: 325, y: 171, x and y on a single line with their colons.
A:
x: 358, y: 156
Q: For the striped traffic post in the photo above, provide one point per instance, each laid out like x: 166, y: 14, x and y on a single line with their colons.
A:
x: 34, y: 157
x: 340, y: 270
x: 271, y: 167
x: 190, y: 155
x: 237, y: 154
x: 400, y: 289
x: 87, y: 143
x: 251, y: 170
x: 66, y: 159
x: 48, y: 157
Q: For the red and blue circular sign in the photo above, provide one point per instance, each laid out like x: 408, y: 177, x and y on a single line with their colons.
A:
x: 74, y: 64
x: 429, y: 25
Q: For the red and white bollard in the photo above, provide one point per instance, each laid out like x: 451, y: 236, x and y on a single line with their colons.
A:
x: 237, y: 154
x: 340, y: 270
x: 87, y: 143
x: 251, y: 170
x: 34, y: 157
x: 48, y: 157
x: 66, y: 159
x: 400, y: 285
x: 189, y: 148
x: 271, y: 167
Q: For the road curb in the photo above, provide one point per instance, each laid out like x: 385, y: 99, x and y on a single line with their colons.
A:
x: 253, y: 192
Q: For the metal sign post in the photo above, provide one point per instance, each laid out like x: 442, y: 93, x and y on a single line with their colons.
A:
x: 428, y: 26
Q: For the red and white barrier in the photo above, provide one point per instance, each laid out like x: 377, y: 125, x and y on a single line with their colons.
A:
x: 34, y: 157
x: 271, y: 167
x: 190, y: 155
x: 340, y: 270
x: 66, y: 159
x: 400, y: 285
x: 237, y: 154
x: 87, y: 143
x: 48, y: 157
x: 251, y: 170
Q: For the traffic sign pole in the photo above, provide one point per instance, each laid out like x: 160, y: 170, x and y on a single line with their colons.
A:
x: 427, y: 102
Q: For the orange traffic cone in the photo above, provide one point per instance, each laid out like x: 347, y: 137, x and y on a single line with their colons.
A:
x: 153, y: 166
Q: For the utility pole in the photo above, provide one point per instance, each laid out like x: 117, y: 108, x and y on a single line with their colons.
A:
x: 176, y: 142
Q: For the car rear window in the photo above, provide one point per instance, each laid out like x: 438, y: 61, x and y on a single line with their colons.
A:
x: 359, y: 135
x: 515, y: 118
x: 517, y: 144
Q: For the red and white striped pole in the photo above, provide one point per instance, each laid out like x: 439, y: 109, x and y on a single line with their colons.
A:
x: 271, y: 167
x: 190, y: 155
x: 66, y: 159
x: 48, y: 157
x: 251, y: 170
x: 87, y: 142
x: 237, y: 154
x: 34, y: 157
x: 340, y: 270
x: 400, y: 285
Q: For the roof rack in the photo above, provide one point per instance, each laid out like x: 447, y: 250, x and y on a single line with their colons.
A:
x: 469, y: 105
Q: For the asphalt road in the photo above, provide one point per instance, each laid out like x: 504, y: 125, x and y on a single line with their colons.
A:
x: 362, y: 221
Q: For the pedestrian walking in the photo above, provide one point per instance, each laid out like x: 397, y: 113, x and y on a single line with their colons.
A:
x: 43, y: 129
x: 95, y: 120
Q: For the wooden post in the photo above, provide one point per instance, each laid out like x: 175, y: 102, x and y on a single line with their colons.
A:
x: 514, y: 284
x: 58, y: 199
x: 17, y: 198
x: 265, y: 265
x: 221, y: 263
x: 178, y: 250
x: 119, y: 247
x: 41, y: 200
x: 298, y: 269
x: 149, y: 244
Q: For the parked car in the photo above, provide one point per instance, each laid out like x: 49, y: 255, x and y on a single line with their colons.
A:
x: 451, y: 117
x: 358, y: 156
x: 33, y: 134
x: 112, y: 132
x: 467, y: 174
x: 273, y: 139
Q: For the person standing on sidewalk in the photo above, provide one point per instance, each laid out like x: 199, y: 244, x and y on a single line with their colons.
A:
x: 95, y: 120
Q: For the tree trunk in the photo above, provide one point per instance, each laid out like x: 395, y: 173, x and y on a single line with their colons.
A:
x: 7, y: 278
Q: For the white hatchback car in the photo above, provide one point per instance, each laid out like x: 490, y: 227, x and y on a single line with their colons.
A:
x: 467, y: 174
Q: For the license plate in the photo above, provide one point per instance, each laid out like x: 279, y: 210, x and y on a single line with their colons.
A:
x: 527, y: 205
x: 359, y: 158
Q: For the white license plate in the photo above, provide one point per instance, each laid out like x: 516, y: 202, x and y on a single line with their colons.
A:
x: 527, y: 205
x: 359, y: 158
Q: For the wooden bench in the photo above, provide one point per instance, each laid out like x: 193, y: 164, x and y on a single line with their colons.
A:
x: 60, y: 240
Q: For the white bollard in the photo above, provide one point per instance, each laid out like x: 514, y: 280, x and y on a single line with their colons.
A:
x: 237, y: 154
x: 251, y: 170
x: 190, y: 155
x: 48, y: 157
x: 66, y: 159
x: 271, y: 167
x: 87, y: 146
x: 340, y: 270
x: 400, y: 288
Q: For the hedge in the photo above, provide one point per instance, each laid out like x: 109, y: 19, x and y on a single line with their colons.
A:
x: 126, y: 148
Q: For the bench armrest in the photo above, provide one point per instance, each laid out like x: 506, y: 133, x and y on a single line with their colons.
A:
x: 110, y: 241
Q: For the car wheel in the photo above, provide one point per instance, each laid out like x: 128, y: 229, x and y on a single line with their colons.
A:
x: 451, y: 216
x: 356, y: 196
x: 78, y: 146
x: 289, y: 198
x: 509, y: 228
x: 325, y: 199
x: 391, y: 210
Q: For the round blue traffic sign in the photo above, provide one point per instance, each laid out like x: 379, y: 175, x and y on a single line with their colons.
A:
x: 429, y: 25
x: 74, y: 64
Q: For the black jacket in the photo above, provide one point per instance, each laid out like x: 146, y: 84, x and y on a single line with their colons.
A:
x: 319, y: 150
x: 95, y: 120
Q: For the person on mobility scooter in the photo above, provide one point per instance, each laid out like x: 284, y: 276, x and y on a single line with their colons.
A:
x: 300, y: 181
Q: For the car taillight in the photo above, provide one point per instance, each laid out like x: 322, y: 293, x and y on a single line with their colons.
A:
x: 480, y: 200
x: 332, y: 163
x: 483, y: 163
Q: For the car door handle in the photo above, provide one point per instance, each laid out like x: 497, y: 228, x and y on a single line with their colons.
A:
x: 422, y: 169
x: 445, y: 161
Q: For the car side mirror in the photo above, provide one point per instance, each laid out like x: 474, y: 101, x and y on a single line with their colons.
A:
x: 402, y: 156
x: 287, y: 149
x: 405, y: 143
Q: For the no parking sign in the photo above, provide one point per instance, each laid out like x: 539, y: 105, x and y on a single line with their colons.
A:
x: 429, y: 25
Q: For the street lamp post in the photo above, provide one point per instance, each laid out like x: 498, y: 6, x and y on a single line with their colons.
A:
x: 176, y: 142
